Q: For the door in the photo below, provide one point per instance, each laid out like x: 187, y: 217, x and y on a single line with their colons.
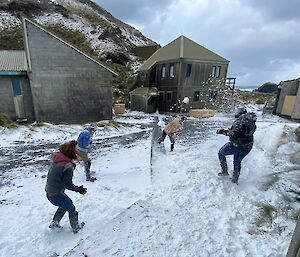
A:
x: 161, y: 101
x: 18, y: 97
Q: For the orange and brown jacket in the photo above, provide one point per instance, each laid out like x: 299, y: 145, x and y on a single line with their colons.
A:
x: 173, y: 126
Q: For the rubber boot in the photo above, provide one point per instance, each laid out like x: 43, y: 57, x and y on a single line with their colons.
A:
x: 224, y: 171
x: 235, y: 178
x: 87, y: 167
x: 57, y: 218
x: 73, y: 216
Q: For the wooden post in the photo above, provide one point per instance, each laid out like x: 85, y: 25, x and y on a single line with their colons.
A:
x: 294, y: 248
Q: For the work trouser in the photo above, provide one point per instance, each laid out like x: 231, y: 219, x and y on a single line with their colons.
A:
x: 238, y: 152
x: 87, y: 163
x: 172, y: 139
x: 64, y: 204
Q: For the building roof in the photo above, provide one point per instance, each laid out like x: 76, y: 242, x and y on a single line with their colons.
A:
x: 291, y: 80
x: 185, y: 48
x: 13, y: 61
x: 144, y: 91
x: 25, y: 19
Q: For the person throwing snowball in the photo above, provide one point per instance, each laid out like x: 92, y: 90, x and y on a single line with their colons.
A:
x: 171, y: 129
x: 240, y: 142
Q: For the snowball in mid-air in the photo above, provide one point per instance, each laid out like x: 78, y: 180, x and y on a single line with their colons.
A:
x: 186, y: 100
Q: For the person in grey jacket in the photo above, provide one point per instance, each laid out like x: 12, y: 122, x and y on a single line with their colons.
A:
x: 59, y: 178
x: 240, y: 142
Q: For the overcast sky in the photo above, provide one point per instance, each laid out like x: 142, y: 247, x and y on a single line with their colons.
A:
x: 260, y: 38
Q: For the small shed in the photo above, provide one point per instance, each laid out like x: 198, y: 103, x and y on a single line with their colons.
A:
x: 53, y: 81
x: 15, y: 91
x: 144, y: 99
x: 288, y: 103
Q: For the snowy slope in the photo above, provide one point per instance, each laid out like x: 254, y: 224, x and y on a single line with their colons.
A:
x: 186, y: 211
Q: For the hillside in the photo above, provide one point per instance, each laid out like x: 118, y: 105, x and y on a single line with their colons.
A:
x: 84, y: 24
x: 106, y: 35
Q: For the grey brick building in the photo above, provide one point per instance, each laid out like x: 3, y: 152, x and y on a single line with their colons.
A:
x: 53, y: 81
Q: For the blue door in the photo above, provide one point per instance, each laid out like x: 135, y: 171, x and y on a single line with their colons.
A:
x: 18, y: 97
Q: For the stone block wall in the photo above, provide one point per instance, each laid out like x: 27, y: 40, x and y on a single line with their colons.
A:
x: 66, y: 85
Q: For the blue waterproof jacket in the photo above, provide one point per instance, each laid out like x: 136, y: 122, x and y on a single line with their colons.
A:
x: 84, y: 140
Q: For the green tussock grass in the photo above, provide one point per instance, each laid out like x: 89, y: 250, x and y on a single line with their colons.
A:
x: 5, y: 121
x: 11, y: 39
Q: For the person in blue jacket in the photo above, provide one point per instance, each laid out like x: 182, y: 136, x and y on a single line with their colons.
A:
x: 84, y: 146
x: 240, y: 142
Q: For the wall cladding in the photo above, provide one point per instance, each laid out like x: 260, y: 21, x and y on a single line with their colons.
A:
x: 6, y: 96
x: 7, y: 101
x: 66, y: 85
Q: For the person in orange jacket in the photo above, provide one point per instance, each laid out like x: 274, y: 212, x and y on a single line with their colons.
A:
x: 171, y: 129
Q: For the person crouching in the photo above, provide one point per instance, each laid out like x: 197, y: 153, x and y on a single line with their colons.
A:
x: 59, y: 178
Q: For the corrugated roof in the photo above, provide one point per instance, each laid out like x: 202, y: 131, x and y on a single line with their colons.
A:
x: 182, y: 47
x: 13, y: 61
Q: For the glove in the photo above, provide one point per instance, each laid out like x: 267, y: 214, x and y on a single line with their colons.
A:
x: 222, y: 131
x: 82, y: 190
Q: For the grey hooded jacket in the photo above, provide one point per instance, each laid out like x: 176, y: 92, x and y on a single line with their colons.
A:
x: 60, y: 175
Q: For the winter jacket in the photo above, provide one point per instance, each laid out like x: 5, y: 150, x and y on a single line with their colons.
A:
x: 60, y: 175
x: 173, y: 127
x: 242, y: 130
x: 84, y: 140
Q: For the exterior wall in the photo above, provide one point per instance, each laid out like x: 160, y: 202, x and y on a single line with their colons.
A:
x: 146, y: 51
x: 200, y: 80
x: 288, y: 105
x: 7, y: 97
x: 66, y: 85
x: 287, y: 88
x: 173, y: 89
x: 137, y: 103
x: 296, y: 111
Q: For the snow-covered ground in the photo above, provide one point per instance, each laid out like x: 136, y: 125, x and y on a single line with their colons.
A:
x: 182, y: 209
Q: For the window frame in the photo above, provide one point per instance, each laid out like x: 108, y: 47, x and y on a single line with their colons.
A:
x: 196, y: 96
x: 216, y: 71
x: 171, y: 70
x: 169, y: 93
x: 163, y: 71
x: 188, y: 71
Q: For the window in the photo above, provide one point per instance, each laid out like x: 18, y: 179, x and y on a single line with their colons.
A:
x: 169, y: 96
x: 172, y: 75
x: 196, y: 96
x: 216, y: 70
x: 188, y: 70
x: 212, y: 95
x: 161, y: 96
x: 163, y: 71
x: 143, y: 76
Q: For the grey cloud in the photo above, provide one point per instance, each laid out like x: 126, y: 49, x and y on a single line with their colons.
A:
x: 136, y: 11
x: 276, y: 9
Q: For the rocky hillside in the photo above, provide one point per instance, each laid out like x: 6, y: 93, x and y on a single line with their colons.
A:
x: 104, y: 35
x: 84, y: 24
